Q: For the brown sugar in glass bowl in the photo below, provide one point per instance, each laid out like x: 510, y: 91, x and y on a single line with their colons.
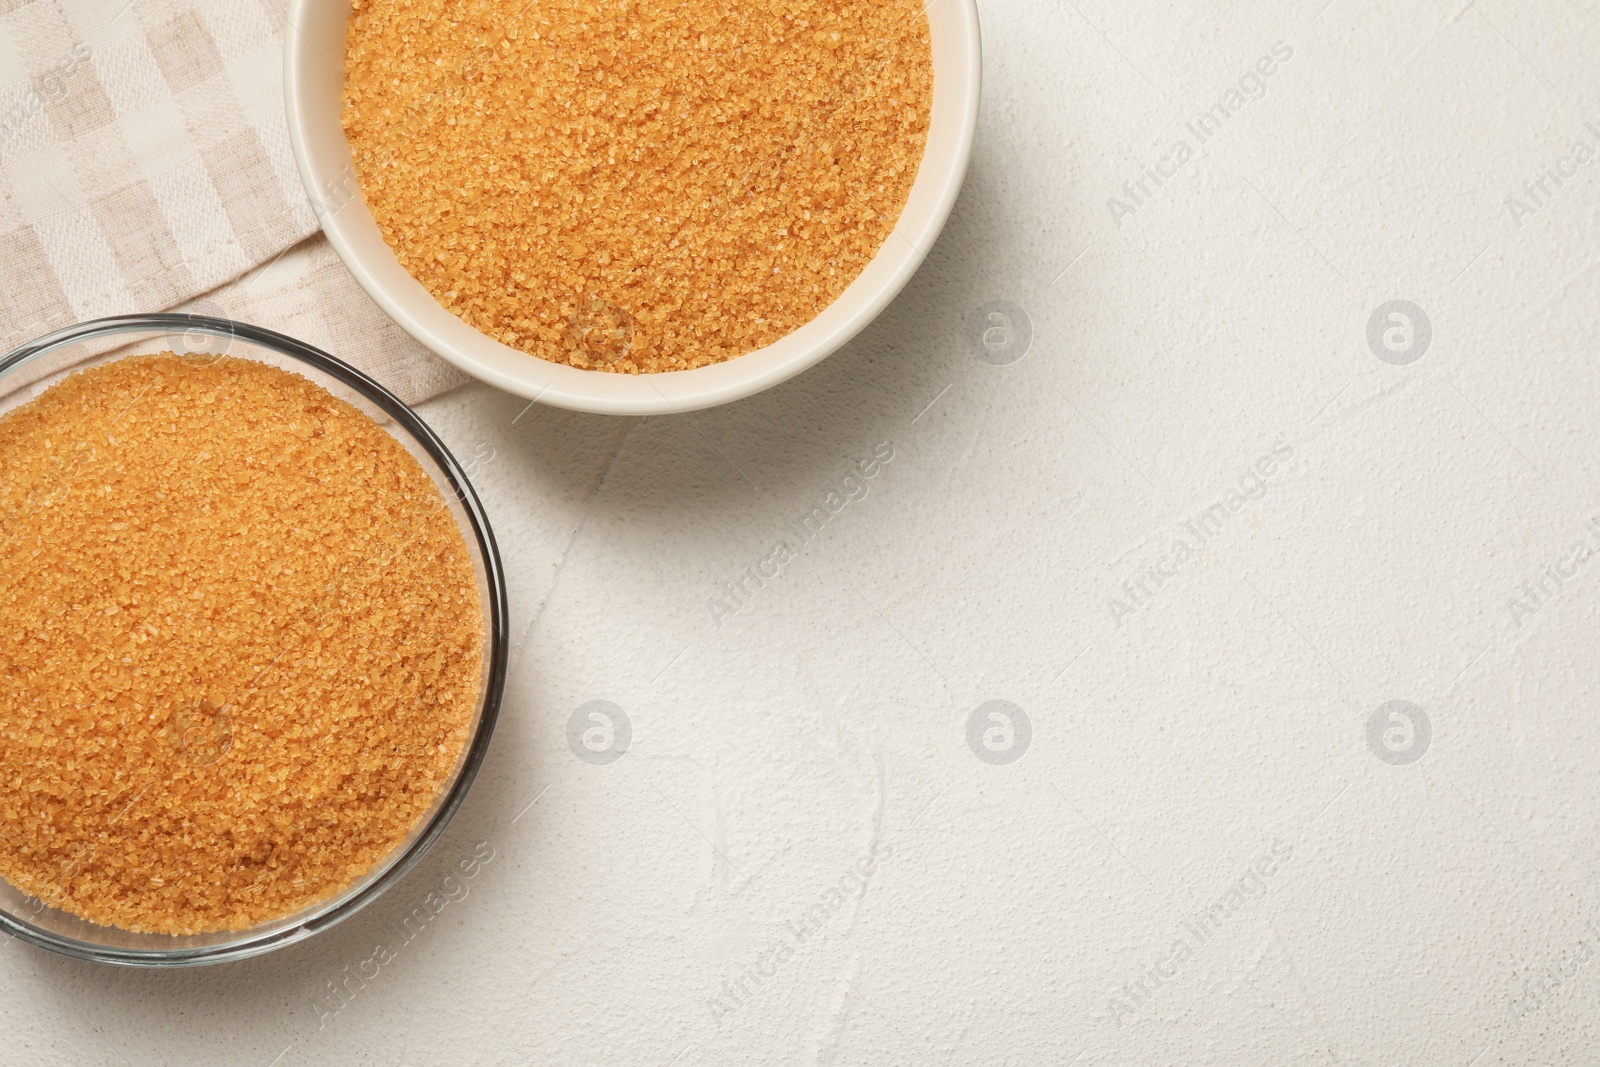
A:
x: 252, y: 645
x: 637, y: 187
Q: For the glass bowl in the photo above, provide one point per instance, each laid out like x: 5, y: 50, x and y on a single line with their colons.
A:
x: 28, y: 371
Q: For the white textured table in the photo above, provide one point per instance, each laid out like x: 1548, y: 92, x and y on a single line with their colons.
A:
x: 1224, y: 510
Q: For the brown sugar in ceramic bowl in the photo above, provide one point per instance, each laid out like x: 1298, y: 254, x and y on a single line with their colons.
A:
x: 314, y: 87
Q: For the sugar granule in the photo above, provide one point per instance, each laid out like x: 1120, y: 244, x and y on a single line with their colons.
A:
x: 243, y: 644
x: 637, y: 187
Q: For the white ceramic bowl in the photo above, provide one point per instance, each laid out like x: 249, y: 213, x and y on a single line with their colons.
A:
x: 313, y: 84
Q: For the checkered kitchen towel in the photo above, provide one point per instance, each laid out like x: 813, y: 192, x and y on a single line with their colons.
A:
x: 145, y: 166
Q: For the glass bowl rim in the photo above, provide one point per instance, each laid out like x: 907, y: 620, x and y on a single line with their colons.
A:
x: 340, y: 907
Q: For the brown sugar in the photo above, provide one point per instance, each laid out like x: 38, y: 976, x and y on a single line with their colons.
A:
x: 242, y: 644
x: 632, y: 186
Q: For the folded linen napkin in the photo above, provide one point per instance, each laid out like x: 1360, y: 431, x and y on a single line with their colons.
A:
x: 145, y: 165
